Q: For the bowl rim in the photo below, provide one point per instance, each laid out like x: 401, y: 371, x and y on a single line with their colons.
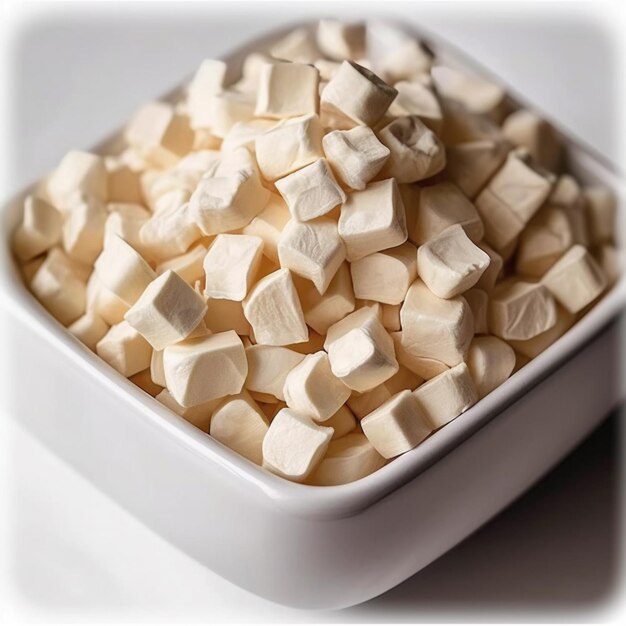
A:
x: 298, y: 499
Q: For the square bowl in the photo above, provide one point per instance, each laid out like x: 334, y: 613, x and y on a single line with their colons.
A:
x: 311, y: 547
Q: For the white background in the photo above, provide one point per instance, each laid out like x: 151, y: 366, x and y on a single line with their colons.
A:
x: 71, y: 74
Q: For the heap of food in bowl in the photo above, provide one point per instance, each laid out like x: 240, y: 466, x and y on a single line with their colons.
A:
x: 326, y: 261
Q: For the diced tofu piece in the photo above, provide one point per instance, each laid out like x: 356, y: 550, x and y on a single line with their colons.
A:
x: 89, y: 329
x: 490, y: 361
x: 268, y: 367
x: 124, y: 349
x: 39, y: 230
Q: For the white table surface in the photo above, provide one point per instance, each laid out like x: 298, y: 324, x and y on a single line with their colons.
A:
x: 67, y: 552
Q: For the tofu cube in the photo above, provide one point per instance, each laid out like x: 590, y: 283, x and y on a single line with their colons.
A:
x: 269, y: 224
x: 340, y: 40
x: 490, y: 362
x: 124, y: 349
x: 208, y: 81
x: 39, y: 230
x: 89, y: 329
x: 268, y: 367
x: 83, y: 231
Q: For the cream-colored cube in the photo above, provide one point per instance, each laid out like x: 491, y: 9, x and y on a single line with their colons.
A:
x: 417, y: 99
x: 415, y: 152
x: 122, y: 270
x: 287, y: 90
x: 208, y: 81
x: 385, y: 276
x: 397, y: 426
x: 122, y: 181
x: 124, y: 349
x: 511, y: 199
x: 464, y: 126
x: 244, y: 134
x: 600, y: 209
x: 126, y: 220
x: 274, y: 311
x: 311, y: 191
x: 446, y: 396
x: 79, y: 174
x: 104, y: 302
x: 89, y: 329
x: 231, y: 196
x: 342, y: 422
x: 202, y: 369
x: 530, y: 348
x: 231, y: 265
x: 297, y: 46
x: 159, y: 134
x: 356, y: 155
x: 60, y: 288
x: 322, y: 310
x: 546, y: 238
x: 521, y: 310
x: 361, y: 354
x: 575, y: 280
x: 199, y: 416
x: 39, y: 230
x: 436, y: 328
x: 294, y: 445
x: 157, y: 373
x: 312, y: 389
x: 167, y: 311
x: 361, y: 317
x: 83, y: 231
x: 493, y: 272
x: 526, y: 129
x: 350, y: 458
x: 373, y: 220
x: 478, y: 301
x: 490, y: 362
x: 288, y: 146
x: 355, y: 96
x: 440, y: 206
x: 362, y: 404
x: 188, y: 266
x: 269, y: 224
x: 312, y: 250
x: 471, y: 164
x: 268, y: 367
x: 408, y: 355
x: 223, y: 315
x: 450, y: 263
x: 341, y: 40
x: 239, y: 424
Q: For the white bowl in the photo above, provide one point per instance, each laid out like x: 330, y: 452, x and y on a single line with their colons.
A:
x: 313, y: 547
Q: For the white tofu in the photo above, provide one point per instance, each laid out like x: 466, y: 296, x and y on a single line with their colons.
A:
x: 274, y: 312
x: 122, y: 270
x: 490, y: 362
x: 314, y: 343
x: 89, y: 329
x: 126, y: 220
x: 526, y: 129
x: 39, y: 230
x: 446, y: 396
x: 440, y: 206
x: 312, y: 389
x: 297, y: 46
x: 471, y: 164
x: 415, y: 98
x: 348, y: 459
x: 575, y: 280
x: 199, y: 416
x: 361, y: 352
x: 124, y: 349
x: 450, y: 263
x: 202, y: 369
x: 288, y: 146
x: 342, y: 422
x: 207, y: 82
x: 223, y: 315
x: 385, y: 276
x: 312, y: 250
x: 79, y: 174
x: 231, y: 265
x: 231, y: 196
x: 294, y: 445
x: 287, y: 90
x: 435, y: 328
x: 189, y: 266
x: 600, y: 210
x: 416, y: 153
x: 397, y: 426
x: 159, y: 134
x: 546, y: 238
x: 311, y: 191
x: 494, y: 270
x: 340, y: 40
x: 354, y: 96
x: 463, y: 126
x: 362, y: 404
x: 373, y: 220
x: 268, y: 367
x: 322, y: 310
x: 356, y: 155
x: 531, y: 348
x: 269, y: 224
x: 122, y: 181
x: 478, y: 301
x: 83, y: 231
x: 104, y: 302
x: 408, y: 357
x: 239, y: 424
x: 511, y: 199
x: 59, y: 288
x: 167, y: 312
x: 244, y: 134
x: 221, y: 113
x: 521, y: 310
x: 251, y: 71
x: 157, y: 373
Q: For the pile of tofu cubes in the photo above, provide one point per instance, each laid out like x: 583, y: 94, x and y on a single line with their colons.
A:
x: 326, y: 261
